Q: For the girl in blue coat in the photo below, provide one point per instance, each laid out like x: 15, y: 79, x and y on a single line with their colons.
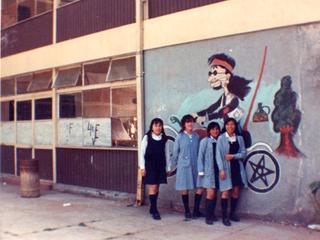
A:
x: 208, y: 171
x: 185, y: 153
x: 230, y: 154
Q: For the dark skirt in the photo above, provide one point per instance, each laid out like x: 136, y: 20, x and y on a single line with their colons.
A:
x: 155, y: 177
x: 235, y: 173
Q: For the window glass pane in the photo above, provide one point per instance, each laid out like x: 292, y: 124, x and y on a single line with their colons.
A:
x: 22, y: 83
x: 24, y: 110
x: 68, y: 78
x: 40, y: 82
x: 124, y: 102
x: 123, y: 69
x: 8, y: 13
x: 124, y: 117
x: 43, y: 108
x: 7, y: 87
x: 44, y: 6
x: 96, y: 72
x: 43, y: 132
x: 26, y: 9
x: 70, y: 105
x: 64, y: 2
x: 96, y: 103
x: 7, y: 111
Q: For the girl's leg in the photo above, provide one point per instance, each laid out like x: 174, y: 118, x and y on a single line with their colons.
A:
x: 234, y: 202
x: 210, y: 205
x: 224, y: 208
x: 153, y: 196
x: 185, y: 200
x: 197, y: 202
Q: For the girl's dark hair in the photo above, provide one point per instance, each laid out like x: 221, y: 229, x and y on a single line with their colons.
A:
x: 236, y: 130
x: 211, y: 126
x: 184, y: 120
x: 156, y: 121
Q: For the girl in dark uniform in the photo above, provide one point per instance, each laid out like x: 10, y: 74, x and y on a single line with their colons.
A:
x: 153, y: 162
x: 230, y: 154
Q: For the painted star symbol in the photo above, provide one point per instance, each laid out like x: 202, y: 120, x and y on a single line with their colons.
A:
x: 260, y: 171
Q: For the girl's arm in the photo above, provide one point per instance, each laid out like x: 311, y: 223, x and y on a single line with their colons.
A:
x: 220, y: 154
x: 201, y: 156
x: 168, y: 162
x: 176, y: 151
x: 242, y: 149
x: 144, y: 145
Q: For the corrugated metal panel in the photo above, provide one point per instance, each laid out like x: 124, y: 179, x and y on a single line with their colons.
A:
x: 90, y: 16
x: 23, y: 153
x: 106, y: 169
x: 7, y: 159
x: 45, y: 163
x: 162, y: 7
x: 33, y: 33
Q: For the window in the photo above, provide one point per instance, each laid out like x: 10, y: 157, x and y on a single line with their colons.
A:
x: 64, y: 2
x: 24, y: 110
x: 43, y: 108
x: 7, y: 87
x: 70, y: 105
x: 8, y: 13
x: 40, y: 81
x: 26, y: 9
x: 96, y: 103
x: 68, y: 78
x: 124, y: 117
x: 123, y: 69
x: 44, y: 6
x: 7, y: 111
x: 22, y: 83
x: 96, y: 72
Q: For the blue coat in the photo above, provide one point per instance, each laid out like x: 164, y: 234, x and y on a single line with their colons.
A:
x: 205, y: 163
x: 185, y: 154
x: 223, y: 164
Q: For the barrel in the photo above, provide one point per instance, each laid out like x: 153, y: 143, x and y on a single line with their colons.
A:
x: 29, y: 178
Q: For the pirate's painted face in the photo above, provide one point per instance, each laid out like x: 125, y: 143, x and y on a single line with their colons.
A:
x: 218, y: 77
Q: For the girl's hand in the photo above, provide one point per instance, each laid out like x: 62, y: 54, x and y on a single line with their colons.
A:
x: 201, y: 174
x: 143, y: 172
x: 222, y: 175
x: 168, y: 174
x: 228, y: 157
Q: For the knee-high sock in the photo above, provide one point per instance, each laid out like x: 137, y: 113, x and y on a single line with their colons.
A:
x: 197, y: 201
x: 153, y: 203
x: 234, y: 203
x: 224, y: 207
x: 185, y: 200
x: 214, y: 203
x: 209, y: 209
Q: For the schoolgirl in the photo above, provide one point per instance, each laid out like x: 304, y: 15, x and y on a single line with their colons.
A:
x: 229, y: 154
x: 208, y: 171
x: 153, y: 163
x: 185, y: 155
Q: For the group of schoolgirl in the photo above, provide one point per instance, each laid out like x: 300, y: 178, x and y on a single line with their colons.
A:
x: 210, y: 165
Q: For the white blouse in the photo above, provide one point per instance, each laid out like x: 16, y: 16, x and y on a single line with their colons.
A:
x: 144, y: 145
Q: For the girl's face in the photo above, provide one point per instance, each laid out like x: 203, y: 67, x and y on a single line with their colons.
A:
x: 157, y: 128
x: 230, y: 127
x: 214, y: 132
x: 188, y: 126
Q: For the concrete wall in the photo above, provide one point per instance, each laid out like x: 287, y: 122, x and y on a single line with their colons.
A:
x: 176, y: 84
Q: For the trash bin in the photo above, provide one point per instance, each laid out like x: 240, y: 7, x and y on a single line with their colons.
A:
x: 29, y: 178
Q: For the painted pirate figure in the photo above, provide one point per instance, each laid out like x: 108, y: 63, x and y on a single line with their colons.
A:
x: 234, y: 87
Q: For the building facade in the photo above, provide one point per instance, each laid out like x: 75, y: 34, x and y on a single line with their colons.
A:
x: 81, y: 80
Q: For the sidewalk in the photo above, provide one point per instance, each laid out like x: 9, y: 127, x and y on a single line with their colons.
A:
x: 64, y: 216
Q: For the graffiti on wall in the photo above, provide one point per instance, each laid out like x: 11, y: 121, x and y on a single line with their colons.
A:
x: 286, y: 118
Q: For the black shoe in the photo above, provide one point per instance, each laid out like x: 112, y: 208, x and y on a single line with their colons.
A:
x: 187, y: 216
x: 209, y: 221
x: 234, y: 217
x: 226, y: 222
x: 214, y: 218
x: 156, y: 215
x: 197, y: 214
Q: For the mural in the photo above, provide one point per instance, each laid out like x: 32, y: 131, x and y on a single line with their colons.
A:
x: 286, y: 118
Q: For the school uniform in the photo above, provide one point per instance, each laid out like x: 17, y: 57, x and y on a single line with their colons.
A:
x: 234, y: 169
x: 185, y: 154
x: 153, y: 159
x: 207, y: 165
